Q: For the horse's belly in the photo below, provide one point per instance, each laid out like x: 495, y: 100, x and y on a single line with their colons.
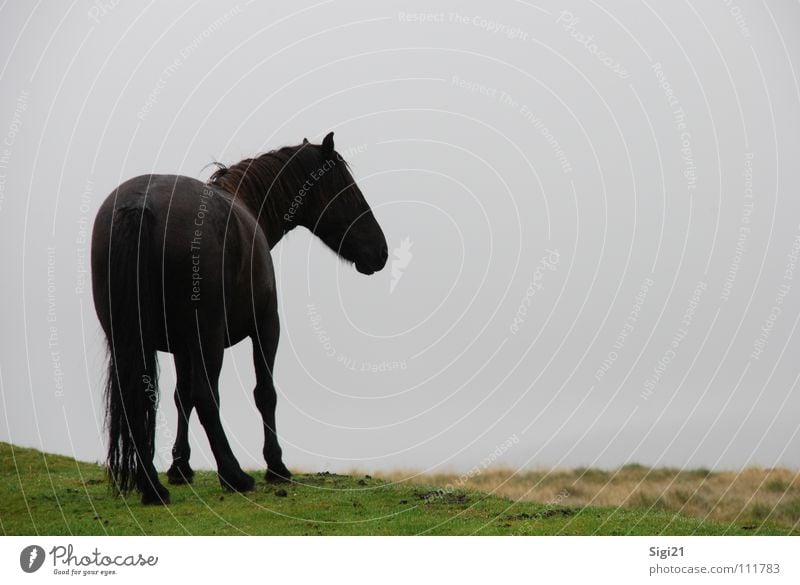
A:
x: 198, y: 303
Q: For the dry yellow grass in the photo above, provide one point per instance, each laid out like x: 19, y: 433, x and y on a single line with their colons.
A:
x: 748, y: 496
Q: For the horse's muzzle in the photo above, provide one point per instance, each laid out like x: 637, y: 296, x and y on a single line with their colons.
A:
x: 373, y: 266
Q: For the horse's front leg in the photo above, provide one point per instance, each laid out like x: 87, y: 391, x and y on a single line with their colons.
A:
x: 206, y: 367
x: 265, y: 345
x: 181, y: 472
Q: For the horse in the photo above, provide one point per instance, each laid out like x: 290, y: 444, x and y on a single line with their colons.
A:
x: 184, y: 267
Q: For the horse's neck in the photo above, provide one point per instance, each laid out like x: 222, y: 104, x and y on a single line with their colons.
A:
x: 273, y: 228
x: 268, y: 199
x: 271, y: 213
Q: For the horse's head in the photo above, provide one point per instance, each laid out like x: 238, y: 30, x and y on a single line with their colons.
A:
x: 336, y: 211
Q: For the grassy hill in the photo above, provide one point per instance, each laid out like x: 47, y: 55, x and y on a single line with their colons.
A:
x: 55, y: 495
x: 748, y: 497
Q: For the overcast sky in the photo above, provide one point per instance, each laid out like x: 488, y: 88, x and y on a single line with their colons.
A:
x: 592, y: 214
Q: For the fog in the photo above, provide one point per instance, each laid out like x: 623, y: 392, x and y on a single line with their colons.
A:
x: 592, y: 218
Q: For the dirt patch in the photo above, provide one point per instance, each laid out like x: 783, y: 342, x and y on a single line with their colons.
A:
x: 547, y: 513
x: 441, y: 496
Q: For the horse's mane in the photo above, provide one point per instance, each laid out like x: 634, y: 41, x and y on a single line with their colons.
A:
x: 268, y: 182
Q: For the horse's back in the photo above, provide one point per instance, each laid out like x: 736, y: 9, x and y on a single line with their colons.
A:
x: 206, y: 252
x: 154, y: 194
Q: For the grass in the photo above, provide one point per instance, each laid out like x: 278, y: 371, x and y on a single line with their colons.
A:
x: 749, y: 497
x: 55, y: 495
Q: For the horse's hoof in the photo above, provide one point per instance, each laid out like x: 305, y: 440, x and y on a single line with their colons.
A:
x: 241, y: 482
x: 178, y: 476
x: 278, y: 475
x: 157, y: 497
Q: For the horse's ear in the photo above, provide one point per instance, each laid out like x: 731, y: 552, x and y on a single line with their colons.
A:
x: 327, y: 143
x: 305, y: 140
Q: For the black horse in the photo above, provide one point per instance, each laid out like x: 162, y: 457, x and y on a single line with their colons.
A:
x: 184, y: 267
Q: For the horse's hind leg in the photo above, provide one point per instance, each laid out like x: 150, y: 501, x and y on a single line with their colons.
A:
x: 206, y: 366
x: 265, y: 344
x: 180, y: 472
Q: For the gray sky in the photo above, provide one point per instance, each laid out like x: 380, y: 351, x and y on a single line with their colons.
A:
x: 593, y: 214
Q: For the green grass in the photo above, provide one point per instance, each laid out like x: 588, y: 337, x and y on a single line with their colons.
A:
x: 55, y: 495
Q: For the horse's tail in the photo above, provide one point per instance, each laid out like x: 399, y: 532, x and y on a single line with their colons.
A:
x: 131, y: 392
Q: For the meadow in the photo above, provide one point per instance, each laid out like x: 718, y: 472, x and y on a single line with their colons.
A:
x: 750, y: 498
x: 45, y: 494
